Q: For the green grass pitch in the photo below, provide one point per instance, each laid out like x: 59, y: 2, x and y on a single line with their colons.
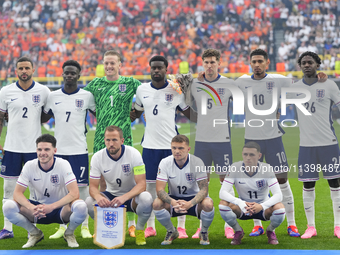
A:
x: 323, y: 207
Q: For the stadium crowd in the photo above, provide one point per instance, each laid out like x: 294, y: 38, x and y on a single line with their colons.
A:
x: 53, y: 31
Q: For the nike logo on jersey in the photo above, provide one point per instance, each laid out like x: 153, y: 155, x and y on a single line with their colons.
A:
x: 247, y: 87
x: 290, y: 203
x: 146, y: 97
x: 241, y: 182
x: 14, y: 99
x: 105, y: 171
x: 57, y: 102
x: 101, y: 88
x: 299, y: 94
x: 172, y: 177
x: 36, y: 179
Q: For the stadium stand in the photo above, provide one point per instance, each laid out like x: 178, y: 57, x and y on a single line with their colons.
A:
x: 52, y: 31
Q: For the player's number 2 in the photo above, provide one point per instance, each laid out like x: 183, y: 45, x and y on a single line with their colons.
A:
x: 25, y: 112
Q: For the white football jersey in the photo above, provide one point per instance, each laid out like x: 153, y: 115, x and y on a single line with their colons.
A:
x: 317, y: 128
x: 182, y: 182
x: 49, y: 186
x: 253, y: 188
x: 262, y: 127
x: 119, y: 174
x: 24, y: 109
x: 160, y: 107
x: 69, y: 112
x: 210, y: 108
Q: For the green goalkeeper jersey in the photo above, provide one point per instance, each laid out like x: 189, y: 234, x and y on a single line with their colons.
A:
x: 113, y: 104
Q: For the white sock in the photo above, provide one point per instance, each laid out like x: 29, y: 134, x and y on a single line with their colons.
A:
x: 79, y: 213
x: 288, y: 202
x: 151, y: 187
x: 90, y: 206
x: 181, y: 221
x: 335, y: 195
x: 83, y: 194
x: 12, y: 213
x: 9, y: 185
x: 207, y: 218
x: 308, y: 196
x: 276, y: 219
x: 63, y: 225
x: 257, y: 222
x: 226, y: 225
x: 131, y: 223
x: 144, y: 208
x: 230, y: 217
x: 163, y: 216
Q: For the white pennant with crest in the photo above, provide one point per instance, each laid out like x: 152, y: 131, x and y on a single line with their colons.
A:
x: 109, y: 227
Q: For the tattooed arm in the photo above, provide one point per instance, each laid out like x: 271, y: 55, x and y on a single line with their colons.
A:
x: 162, y: 195
x: 203, y: 193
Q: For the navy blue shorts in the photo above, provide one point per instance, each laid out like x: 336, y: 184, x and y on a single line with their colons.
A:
x: 313, y: 160
x: 13, y: 162
x: 52, y: 217
x: 152, y: 158
x: 259, y: 216
x: 192, y: 211
x: 274, y: 153
x: 220, y: 153
x: 80, y: 167
x: 128, y: 203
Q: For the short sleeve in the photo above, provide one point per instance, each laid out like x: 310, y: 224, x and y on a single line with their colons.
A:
x: 95, y: 167
x: 89, y: 87
x: 69, y: 176
x: 3, y: 104
x: 138, y: 164
x: 136, y: 84
x: 92, y: 104
x: 23, y: 179
x: 162, y: 174
x: 138, y: 103
x: 47, y: 106
x: 199, y: 168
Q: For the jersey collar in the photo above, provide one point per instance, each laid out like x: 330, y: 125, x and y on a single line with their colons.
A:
x: 186, y: 162
x: 257, y: 170
x: 218, y: 77
x: 30, y: 87
x: 121, y: 155
x: 63, y: 90
x: 165, y: 85
x: 46, y: 171
x: 252, y: 76
x: 303, y: 80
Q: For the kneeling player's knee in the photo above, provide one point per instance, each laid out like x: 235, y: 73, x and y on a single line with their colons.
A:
x: 9, y: 208
x: 158, y: 204
x: 207, y: 204
x: 90, y: 203
x: 145, y: 198
x: 79, y: 207
x: 277, y: 217
x: 278, y: 206
x: 227, y: 213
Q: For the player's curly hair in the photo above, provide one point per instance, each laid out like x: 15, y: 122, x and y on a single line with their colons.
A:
x: 312, y: 54
x: 259, y: 52
x: 211, y: 53
x: 47, y: 138
x: 72, y: 63
x: 252, y: 145
x: 180, y: 139
x: 159, y: 58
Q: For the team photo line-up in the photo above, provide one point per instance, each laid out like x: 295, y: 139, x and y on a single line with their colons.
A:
x: 165, y: 181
